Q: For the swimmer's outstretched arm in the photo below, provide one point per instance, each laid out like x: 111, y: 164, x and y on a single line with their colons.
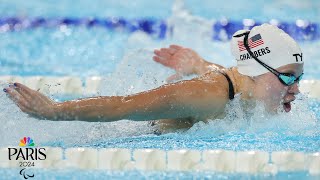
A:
x: 184, y: 61
x: 193, y: 98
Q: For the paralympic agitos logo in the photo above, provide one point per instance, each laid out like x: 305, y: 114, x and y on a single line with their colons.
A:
x: 26, y: 155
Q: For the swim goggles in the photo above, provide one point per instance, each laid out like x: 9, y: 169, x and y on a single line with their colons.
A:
x: 286, y: 79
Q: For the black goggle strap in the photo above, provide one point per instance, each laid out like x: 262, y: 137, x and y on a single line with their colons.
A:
x: 246, y: 45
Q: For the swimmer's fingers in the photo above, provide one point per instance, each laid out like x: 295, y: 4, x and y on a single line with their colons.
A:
x: 162, y: 58
x: 20, y: 90
x: 38, y: 104
x: 18, y: 99
x: 169, y: 50
x: 163, y: 61
x: 28, y: 93
x: 23, y: 90
x: 172, y: 49
x: 14, y: 95
x: 175, y: 47
x: 167, y: 53
x: 163, y: 53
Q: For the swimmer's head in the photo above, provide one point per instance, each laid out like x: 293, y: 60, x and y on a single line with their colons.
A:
x: 267, y: 54
x: 268, y: 89
x: 269, y: 44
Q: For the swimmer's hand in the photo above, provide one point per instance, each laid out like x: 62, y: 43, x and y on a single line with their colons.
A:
x: 30, y: 101
x: 184, y: 61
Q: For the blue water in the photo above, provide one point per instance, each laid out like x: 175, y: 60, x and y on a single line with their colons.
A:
x: 126, y: 60
x: 80, y: 52
x: 210, y: 9
x: 72, y: 174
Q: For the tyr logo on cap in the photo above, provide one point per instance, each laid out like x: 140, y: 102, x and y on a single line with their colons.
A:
x: 298, y: 57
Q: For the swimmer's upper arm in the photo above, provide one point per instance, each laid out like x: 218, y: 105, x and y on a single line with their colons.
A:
x: 193, y: 98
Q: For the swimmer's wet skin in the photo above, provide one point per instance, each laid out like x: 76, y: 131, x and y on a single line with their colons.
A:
x: 271, y: 78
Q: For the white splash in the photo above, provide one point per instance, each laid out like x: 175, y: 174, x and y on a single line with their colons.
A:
x: 299, y: 121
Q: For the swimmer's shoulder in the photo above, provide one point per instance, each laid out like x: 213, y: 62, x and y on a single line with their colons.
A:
x: 215, y: 75
x: 218, y: 78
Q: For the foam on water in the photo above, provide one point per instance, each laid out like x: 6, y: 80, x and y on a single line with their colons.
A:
x: 257, y: 120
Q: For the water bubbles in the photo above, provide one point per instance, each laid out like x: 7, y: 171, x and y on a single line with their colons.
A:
x: 301, y: 23
x: 248, y: 22
x: 71, y: 52
x: 65, y: 30
x: 274, y: 22
x: 258, y: 129
x: 4, y: 28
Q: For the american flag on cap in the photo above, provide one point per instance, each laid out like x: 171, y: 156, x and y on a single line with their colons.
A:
x: 253, y: 42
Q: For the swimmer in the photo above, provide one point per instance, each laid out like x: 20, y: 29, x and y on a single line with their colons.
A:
x: 269, y: 68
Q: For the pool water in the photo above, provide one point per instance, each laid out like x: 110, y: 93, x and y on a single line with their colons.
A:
x: 73, y: 174
x: 125, y: 59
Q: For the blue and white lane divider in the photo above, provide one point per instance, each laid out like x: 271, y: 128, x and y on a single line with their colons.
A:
x: 300, y: 29
x: 157, y: 28
x: 225, y: 161
x: 70, y: 85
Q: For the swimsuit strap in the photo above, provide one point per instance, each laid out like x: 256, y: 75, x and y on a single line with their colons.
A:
x: 231, y: 89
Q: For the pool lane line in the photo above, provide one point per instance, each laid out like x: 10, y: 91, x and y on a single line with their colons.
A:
x: 301, y: 30
x: 215, y: 160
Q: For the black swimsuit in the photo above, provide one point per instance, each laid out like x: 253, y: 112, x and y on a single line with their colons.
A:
x: 231, y: 89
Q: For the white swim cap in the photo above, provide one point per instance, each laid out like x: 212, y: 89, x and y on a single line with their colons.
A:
x: 270, y: 45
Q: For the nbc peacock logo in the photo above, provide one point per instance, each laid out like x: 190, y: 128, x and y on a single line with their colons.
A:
x: 26, y: 142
